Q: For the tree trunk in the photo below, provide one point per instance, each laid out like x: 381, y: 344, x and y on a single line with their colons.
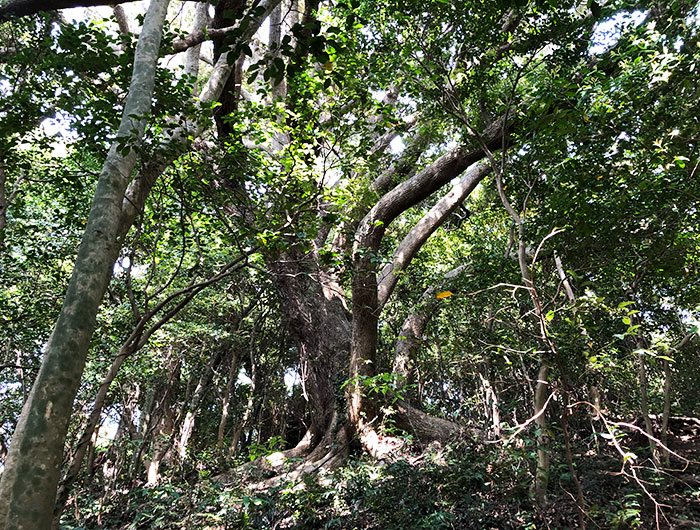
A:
x: 167, y: 423
x: 315, y: 314
x: 187, y: 426
x: 6, y: 200
x: 32, y: 469
x: 668, y: 379
x: 136, y: 340
x: 644, y: 399
x: 541, y: 482
x: 88, y: 433
x: 225, y: 402
x: 233, y: 450
x: 370, y: 295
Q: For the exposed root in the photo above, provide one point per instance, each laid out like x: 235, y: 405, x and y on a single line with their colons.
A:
x: 335, y: 447
x: 429, y: 428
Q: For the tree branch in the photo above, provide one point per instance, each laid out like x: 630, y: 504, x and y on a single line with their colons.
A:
x: 21, y: 8
x: 429, y: 223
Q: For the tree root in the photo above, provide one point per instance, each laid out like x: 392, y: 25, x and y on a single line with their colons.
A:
x: 341, y: 438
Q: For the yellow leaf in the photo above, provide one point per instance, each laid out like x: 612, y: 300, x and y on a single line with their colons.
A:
x: 443, y: 294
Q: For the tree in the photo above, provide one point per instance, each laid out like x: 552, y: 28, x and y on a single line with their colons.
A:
x: 504, y: 102
x: 35, y: 454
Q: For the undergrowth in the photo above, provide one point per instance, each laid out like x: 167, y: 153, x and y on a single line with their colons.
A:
x: 453, y: 487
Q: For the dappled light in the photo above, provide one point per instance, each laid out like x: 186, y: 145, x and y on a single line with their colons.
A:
x: 282, y: 264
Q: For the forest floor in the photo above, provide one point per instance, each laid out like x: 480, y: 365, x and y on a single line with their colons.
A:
x: 456, y: 486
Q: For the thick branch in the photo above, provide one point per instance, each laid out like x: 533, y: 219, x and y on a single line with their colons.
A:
x: 21, y: 8
x: 430, y: 222
x: 365, y: 300
x: 198, y: 37
x: 423, y: 184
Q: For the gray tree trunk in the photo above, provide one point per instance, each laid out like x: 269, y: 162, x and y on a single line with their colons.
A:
x: 28, y: 485
x: 370, y: 295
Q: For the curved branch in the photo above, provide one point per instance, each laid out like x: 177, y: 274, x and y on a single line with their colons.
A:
x: 429, y: 223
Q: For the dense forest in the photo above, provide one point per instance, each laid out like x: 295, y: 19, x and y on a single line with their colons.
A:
x: 349, y: 264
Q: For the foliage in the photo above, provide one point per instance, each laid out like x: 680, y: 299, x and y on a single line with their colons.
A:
x: 597, y: 148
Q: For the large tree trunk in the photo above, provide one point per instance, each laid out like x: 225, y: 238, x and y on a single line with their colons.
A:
x: 315, y: 314
x: 32, y: 469
x: 370, y: 295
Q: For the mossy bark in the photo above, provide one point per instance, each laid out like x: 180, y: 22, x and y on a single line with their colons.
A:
x: 28, y: 485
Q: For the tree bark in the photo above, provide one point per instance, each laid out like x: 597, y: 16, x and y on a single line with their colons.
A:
x: 428, y: 224
x: 226, y: 402
x: 314, y: 311
x: 644, y: 398
x: 6, y: 199
x: 21, y: 8
x: 187, y: 427
x: 28, y: 484
x: 201, y: 19
x: 369, y: 296
x: 167, y: 423
x: 541, y: 482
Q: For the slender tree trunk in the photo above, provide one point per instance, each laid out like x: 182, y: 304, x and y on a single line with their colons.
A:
x: 539, y: 486
x: 541, y: 482
x: 226, y: 402
x: 163, y: 422
x: 668, y: 381
x: 233, y: 450
x: 146, y: 420
x: 201, y: 19
x: 666, y: 413
x: 644, y: 400
x: 491, y: 411
x: 116, y: 456
x: 230, y: 381
x: 187, y: 426
x: 564, y: 418
x: 32, y: 469
x: 162, y: 439
x: 6, y: 199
